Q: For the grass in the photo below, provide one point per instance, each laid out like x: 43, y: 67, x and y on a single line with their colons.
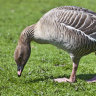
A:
x: 42, y: 67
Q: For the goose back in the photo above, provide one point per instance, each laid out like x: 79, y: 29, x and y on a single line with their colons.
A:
x: 79, y: 18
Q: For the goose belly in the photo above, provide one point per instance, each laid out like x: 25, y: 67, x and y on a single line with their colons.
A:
x: 77, y: 46
x: 65, y: 43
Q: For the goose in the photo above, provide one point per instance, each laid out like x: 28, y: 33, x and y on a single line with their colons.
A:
x: 71, y: 28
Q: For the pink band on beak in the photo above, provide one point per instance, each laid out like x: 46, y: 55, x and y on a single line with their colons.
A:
x: 19, y: 72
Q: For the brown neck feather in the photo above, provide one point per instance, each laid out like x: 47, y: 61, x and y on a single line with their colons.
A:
x: 27, y: 35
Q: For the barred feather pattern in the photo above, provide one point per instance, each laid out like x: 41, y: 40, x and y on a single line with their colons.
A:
x: 27, y: 34
x: 80, y: 18
x: 69, y: 29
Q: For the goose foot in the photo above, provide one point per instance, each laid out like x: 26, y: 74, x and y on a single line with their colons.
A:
x: 59, y: 80
x: 92, y: 80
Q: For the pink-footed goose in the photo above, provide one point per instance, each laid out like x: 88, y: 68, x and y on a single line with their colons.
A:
x: 70, y: 28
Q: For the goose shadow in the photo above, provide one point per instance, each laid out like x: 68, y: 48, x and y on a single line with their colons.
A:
x: 80, y: 76
x: 39, y: 79
x: 85, y: 76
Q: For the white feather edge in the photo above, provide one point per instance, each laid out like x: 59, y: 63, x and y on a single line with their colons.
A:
x: 77, y: 30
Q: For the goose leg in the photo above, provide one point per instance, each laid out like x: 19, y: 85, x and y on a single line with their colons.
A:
x: 72, y: 77
x: 92, y: 80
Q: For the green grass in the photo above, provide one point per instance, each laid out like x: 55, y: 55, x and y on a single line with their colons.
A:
x: 37, y: 77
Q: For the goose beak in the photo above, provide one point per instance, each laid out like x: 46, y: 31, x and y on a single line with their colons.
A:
x: 19, y: 73
x: 19, y: 70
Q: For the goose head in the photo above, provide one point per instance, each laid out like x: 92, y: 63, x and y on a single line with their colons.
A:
x: 23, y: 49
x: 21, y: 56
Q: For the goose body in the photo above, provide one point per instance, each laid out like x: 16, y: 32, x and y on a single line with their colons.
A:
x: 56, y: 27
x: 70, y: 28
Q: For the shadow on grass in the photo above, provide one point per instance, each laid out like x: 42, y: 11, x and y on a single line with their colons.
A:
x: 81, y: 76
x: 39, y: 79
x: 85, y: 76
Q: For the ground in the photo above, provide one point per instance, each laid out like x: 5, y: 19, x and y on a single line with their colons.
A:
x: 46, y: 61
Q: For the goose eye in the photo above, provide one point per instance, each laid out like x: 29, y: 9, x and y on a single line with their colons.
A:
x: 20, y: 58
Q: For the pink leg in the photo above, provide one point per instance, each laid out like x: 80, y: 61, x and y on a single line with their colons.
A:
x: 72, y: 77
x: 92, y: 80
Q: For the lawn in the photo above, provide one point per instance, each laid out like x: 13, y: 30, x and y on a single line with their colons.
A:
x: 46, y: 61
